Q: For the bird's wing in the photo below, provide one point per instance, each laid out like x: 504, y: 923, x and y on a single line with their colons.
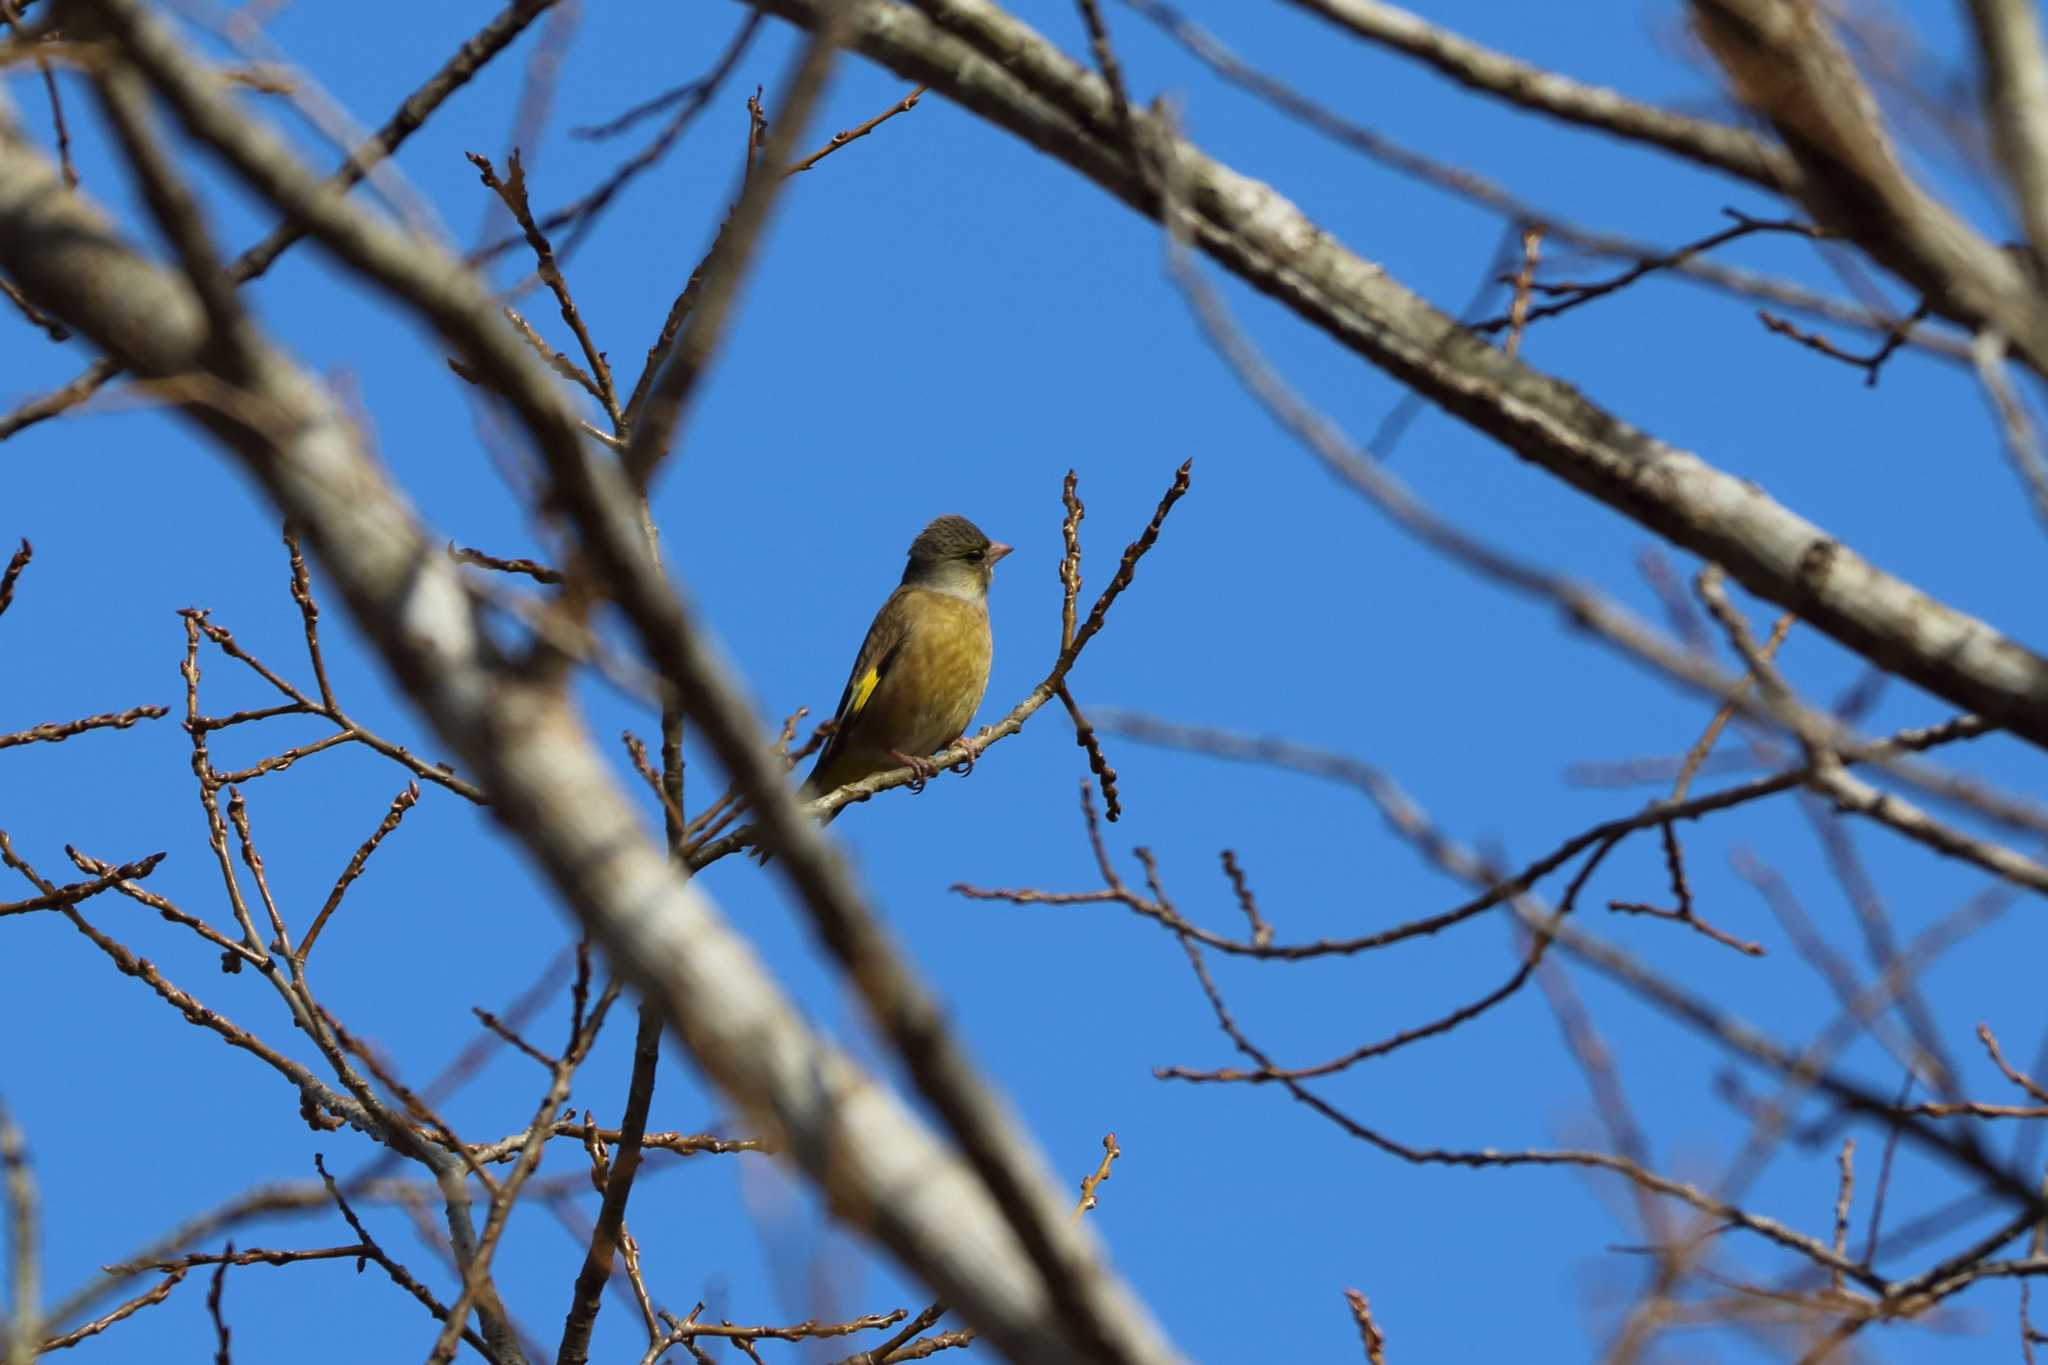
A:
x: 877, y: 652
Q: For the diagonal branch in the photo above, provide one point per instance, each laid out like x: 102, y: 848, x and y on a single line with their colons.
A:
x: 1734, y: 150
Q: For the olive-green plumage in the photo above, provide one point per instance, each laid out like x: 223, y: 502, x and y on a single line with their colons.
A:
x: 922, y: 670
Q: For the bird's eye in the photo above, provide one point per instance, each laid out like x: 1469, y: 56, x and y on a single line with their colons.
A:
x: 976, y: 556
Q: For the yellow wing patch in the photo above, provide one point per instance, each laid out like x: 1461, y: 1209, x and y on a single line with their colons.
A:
x: 862, y: 690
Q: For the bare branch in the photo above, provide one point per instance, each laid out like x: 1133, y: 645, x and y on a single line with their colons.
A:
x: 858, y: 131
x: 1734, y: 150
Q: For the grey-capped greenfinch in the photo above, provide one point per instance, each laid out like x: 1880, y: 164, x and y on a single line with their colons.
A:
x: 922, y: 670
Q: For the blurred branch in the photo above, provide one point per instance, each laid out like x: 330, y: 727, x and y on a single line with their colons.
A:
x: 2022, y: 438
x: 2009, y: 50
x: 1718, y: 145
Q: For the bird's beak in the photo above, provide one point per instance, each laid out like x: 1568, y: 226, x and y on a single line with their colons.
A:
x: 996, y: 550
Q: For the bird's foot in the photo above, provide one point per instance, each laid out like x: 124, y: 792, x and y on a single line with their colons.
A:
x: 922, y: 770
x: 965, y: 767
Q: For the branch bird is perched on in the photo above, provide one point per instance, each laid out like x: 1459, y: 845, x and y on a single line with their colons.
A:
x: 922, y: 670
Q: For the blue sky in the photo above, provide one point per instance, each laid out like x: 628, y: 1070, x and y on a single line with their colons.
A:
x: 944, y: 321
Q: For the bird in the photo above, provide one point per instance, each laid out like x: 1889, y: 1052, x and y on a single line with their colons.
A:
x: 923, y: 668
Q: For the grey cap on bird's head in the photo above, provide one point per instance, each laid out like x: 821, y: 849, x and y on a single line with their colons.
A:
x: 954, y: 537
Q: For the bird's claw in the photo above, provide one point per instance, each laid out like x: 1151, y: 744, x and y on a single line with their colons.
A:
x: 964, y: 767
x: 922, y: 770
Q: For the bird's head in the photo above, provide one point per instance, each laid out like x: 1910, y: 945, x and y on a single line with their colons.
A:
x: 952, y: 555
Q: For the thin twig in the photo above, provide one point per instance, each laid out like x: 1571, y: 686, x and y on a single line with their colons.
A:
x: 1518, y: 310
x: 1375, y: 1341
x: 858, y: 131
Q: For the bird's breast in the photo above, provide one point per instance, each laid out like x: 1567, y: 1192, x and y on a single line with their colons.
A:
x: 944, y: 665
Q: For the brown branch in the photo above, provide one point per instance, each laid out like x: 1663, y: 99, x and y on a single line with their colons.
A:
x: 15, y: 564
x: 1070, y: 559
x: 1086, y: 738
x: 149, y: 1298
x: 511, y: 191
x: 201, y: 623
x: 811, y: 1330
x: 1374, y: 1340
x: 75, y: 892
x: 2017, y: 1077
x: 510, y: 1036
x: 400, y: 804
x: 1531, y: 960
x: 1093, y: 1180
x: 1871, y: 363
x: 902, y: 106
x: 1518, y: 311
x: 1262, y: 932
x: 221, y: 1355
x: 238, y: 815
x: 532, y: 568
x: 676, y: 1143
x: 1674, y: 861
x: 637, y: 751
x: 1567, y: 296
